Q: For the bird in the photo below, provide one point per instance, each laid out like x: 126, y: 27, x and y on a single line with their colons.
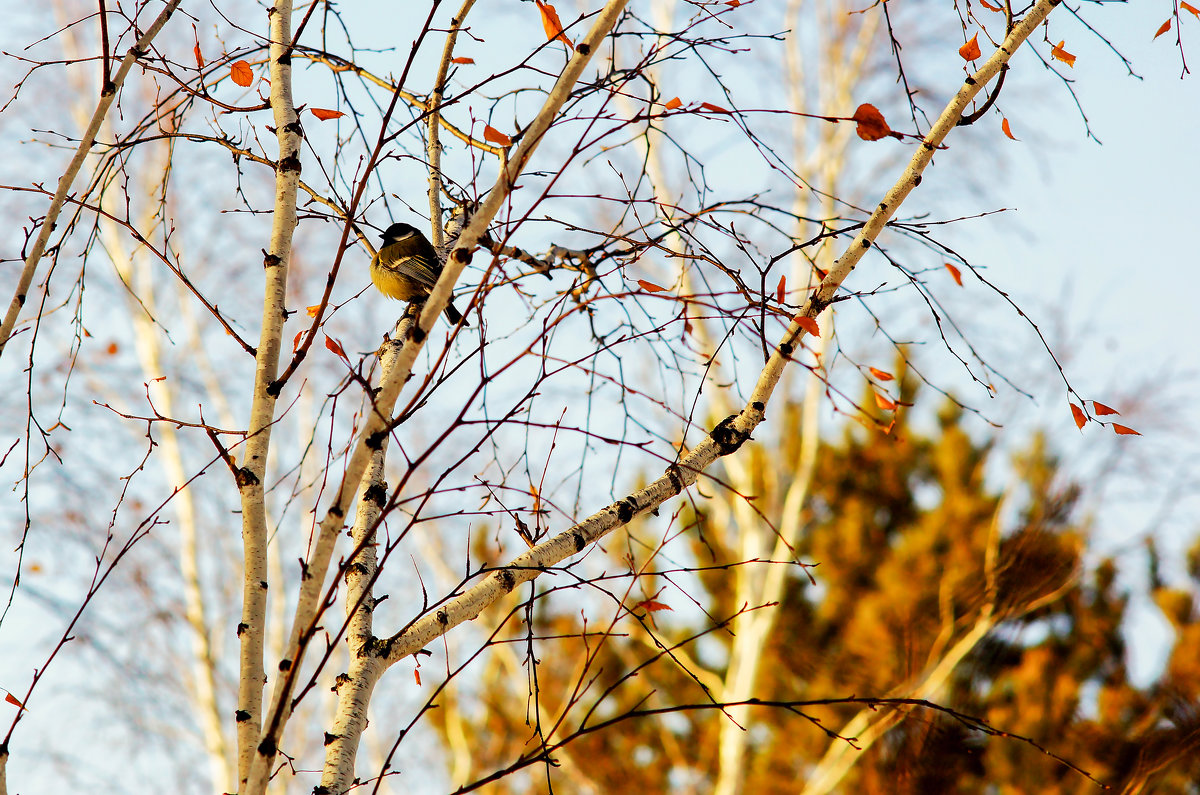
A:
x: 406, y: 267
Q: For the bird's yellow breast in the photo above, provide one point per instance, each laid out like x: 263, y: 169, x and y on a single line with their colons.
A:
x: 395, y: 285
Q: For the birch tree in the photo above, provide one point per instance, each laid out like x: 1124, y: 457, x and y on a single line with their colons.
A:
x: 378, y: 507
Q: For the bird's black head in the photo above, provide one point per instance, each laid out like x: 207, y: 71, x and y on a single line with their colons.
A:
x: 397, y: 232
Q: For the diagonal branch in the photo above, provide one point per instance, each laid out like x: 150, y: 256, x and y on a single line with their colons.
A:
x: 108, y: 93
x: 730, y: 433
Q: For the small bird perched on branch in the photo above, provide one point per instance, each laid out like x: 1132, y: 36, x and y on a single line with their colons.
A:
x: 406, y: 267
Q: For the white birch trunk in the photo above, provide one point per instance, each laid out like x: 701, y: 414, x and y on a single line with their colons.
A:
x: 252, y: 475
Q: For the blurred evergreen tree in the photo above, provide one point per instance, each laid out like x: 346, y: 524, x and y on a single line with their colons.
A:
x: 912, y: 571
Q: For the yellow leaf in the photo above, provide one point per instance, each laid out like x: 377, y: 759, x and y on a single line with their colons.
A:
x: 650, y: 287
x: 955, y: 273
x: 871, y: 124
x: 241, y: 73
x: 1058, y: 52
x: 552, y: 24
x: 492, y: 135
x: 970, y: 50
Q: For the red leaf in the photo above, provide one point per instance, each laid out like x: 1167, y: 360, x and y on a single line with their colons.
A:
x: 882, y: 375
x: 970, y: 50
x: 651, y: 606
x: 1124, y: 430
x: 1102, y: 410
x: 989, y: 6
x: 336, y: 347
x: 781, y: 290
x: 955, y: 273
x: 1191, y: 9
x: 241, y: 73
x: 1077, y: 413
x: 11, y: 699
x: 733, y: 3
x: 326, y: 115
x: 1058, y: 52
x: 884, y: 403
x: 713, y: 108
x: 673, y: 104
x: 1007, y: 130
x: 550, y: 21
x: 1165, y: 27
x: 462, y: 60
x: 493, y: 135
x: 871, y: 124
x: 809, y: 325
x: 196, y: 49
x: 650, y: 287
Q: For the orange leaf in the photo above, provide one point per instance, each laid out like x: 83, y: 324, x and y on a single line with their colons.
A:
x: 1191, y: 9
x: 462, y: 60
x: 652, y: 606
x: 955, y: 273
x: 311, y: 311
x: 1165, y: 27
x: 1102, y: 410
x: 196, y: 49
x: 111, y: 349
x: 11, y: 699
x: 241, y: 73
x: 734, y: 3
x: 296, y: 340
x: 989, y: 6
x: 493, y: 135
x: 326, y: 115
x: 417, y: 676
x: 673, y: 104
x: 882, y: 375
x: 1007, y: 130
x: 651, y: 287
x: 884, y: 403
x: 550, y: 21
x: 336, y: 347
x: 871, y: 124
x: 1124, y: 430
x: 1077, y: 413
x: 809, y: 325
x: 970, y: 50
x: 713, y: 108
x: 781, y: 290
x: 1058, y: 52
